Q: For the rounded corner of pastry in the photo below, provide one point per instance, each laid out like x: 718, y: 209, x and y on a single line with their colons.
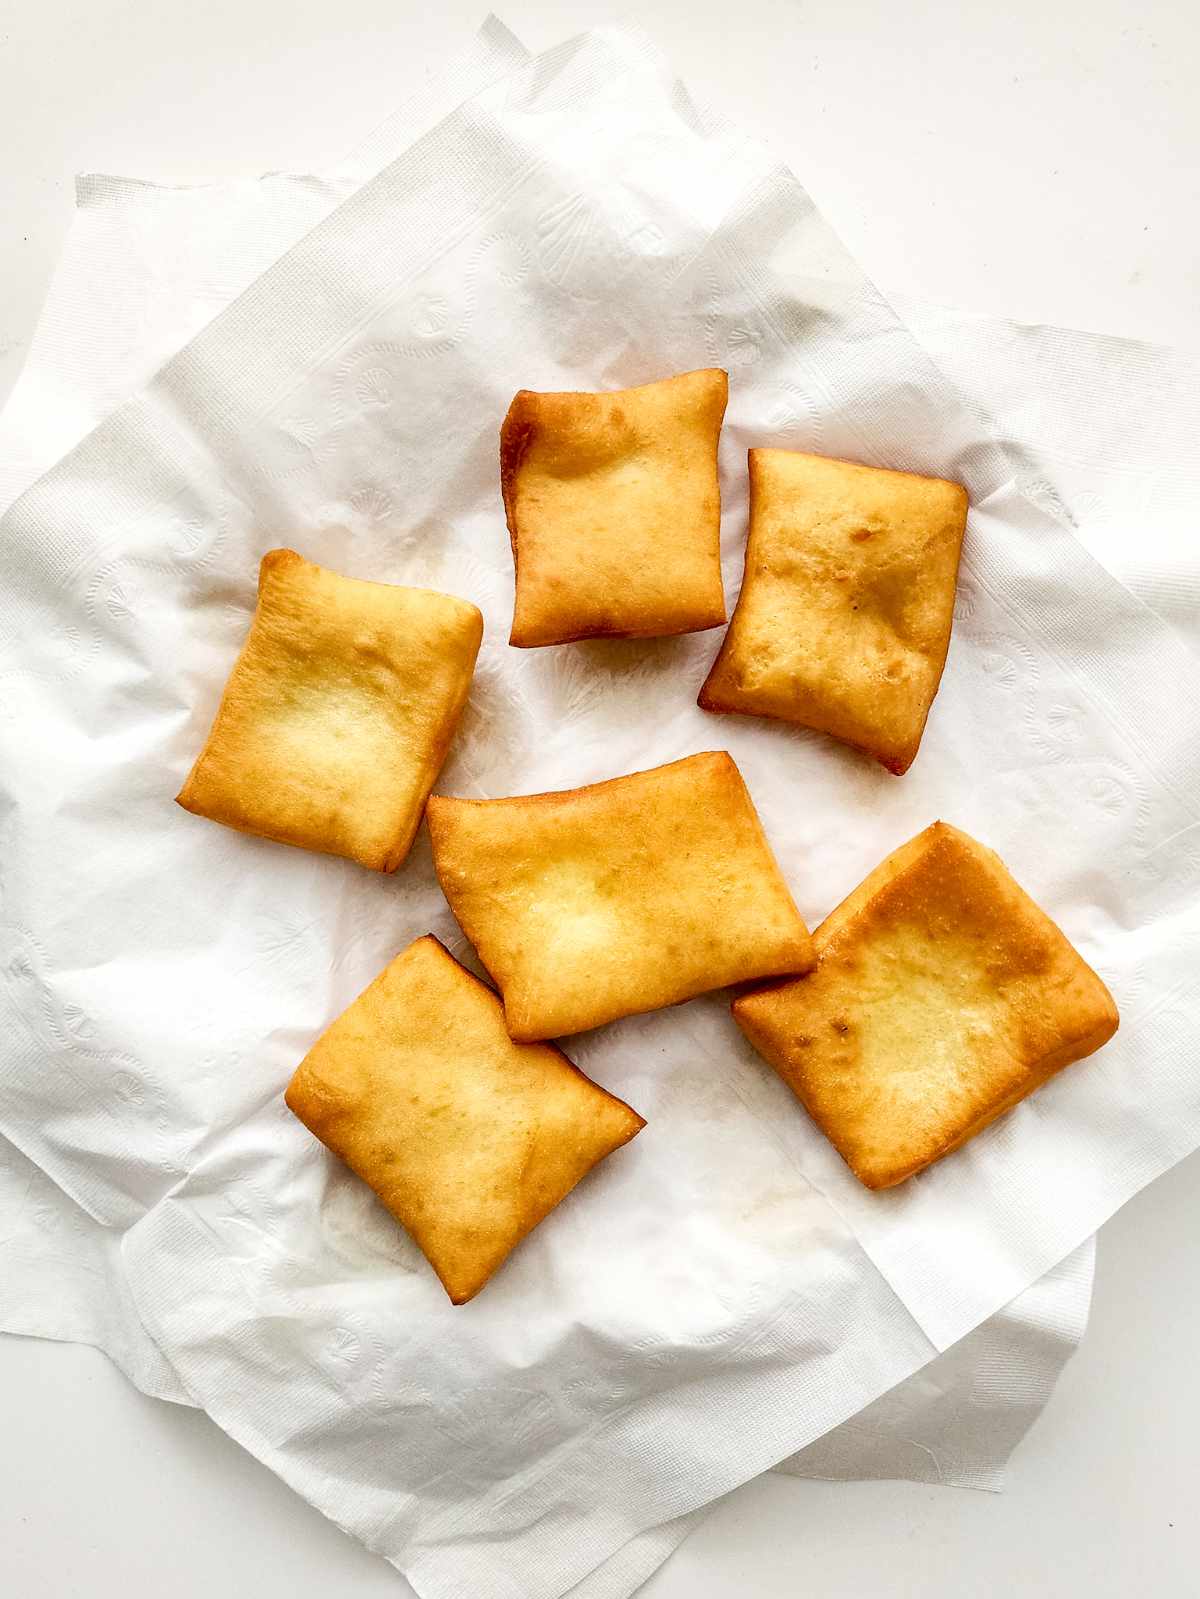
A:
x: 280, y: 559
x: 877, y: 1179
x: 715, y: 615
x: 471, y: 617
x: 897, y: 765
x: 721, y: 762
x: 960, y: 494
x: 708, y: 700
x: 519, y: 638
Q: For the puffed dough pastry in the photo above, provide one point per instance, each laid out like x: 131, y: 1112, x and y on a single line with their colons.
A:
x: 338, y: 714
x: 467, y: 1138
x: 621, y: 897
x: 843, y: 621
x: 942, y: 996
x: 614, y: 511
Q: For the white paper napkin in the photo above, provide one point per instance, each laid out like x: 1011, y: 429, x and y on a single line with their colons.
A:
x: 1103, y: 434
x: 145, y: 265
x: 151, y: 261
x: 119, y: 1187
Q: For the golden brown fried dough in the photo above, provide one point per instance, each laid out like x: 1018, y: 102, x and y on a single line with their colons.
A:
x: 942, y: 996
x: 338, y: 713
x: 614, y: 510
x: 467, y: 1138
x: 621, y: 897
x: 843, y: 621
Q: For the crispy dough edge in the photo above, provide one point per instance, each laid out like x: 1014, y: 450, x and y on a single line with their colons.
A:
x: 864, y: 466
x: 403, y: 843
x: 900, y: 764
x: 270, y: 562
x: 708, y: 700
x: 528, y: 642
x: 806, y: 951
x: 902, y: 860
x: 517, y: 433
x: 548, y: 795
x: 301, y: 1102
x: 439, y: 819
x: 710, y: 697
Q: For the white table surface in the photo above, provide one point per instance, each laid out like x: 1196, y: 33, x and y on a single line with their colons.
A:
x: 1037, y: 159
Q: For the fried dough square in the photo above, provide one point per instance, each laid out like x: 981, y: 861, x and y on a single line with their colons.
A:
x: 614, y: 510
x: 942, y: 996
x: 617, y: 898
x: 844, y: 617
x: 338, y: 713
x: 469, y: 1139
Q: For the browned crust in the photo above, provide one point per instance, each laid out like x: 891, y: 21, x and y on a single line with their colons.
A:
x: 548, y: 796
x: 601, y: 632
x: 398, y: 854
x: 709, y: 699
x: 900, y: 863
x: 863, y: 466
x: 437, y: 816
x: 517, y: 433
x: 435, y: 820
x: 806, y: 959
x: 384, y: 860
x: 311, y: 1110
